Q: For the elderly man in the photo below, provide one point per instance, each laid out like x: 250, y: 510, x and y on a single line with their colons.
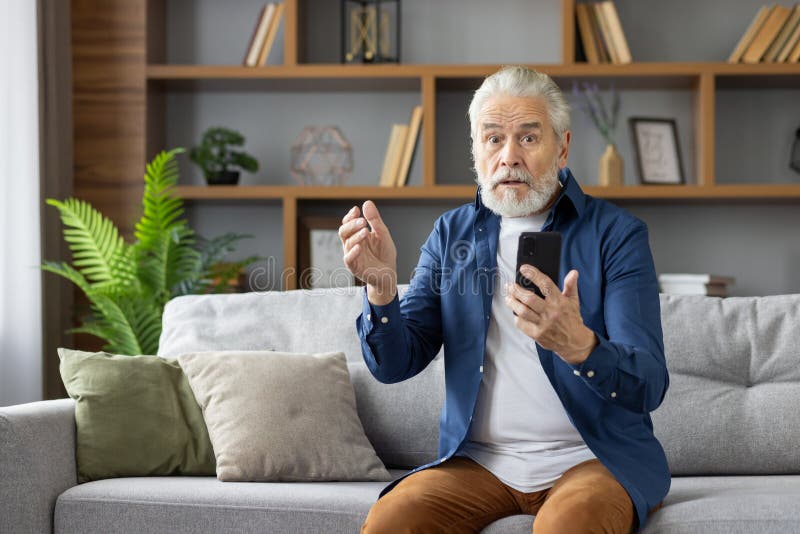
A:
x: 547, y: 399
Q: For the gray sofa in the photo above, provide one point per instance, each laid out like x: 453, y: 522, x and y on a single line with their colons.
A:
x: 730, y: 425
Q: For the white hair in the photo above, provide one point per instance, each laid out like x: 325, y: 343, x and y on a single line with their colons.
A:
x: 519, y: 81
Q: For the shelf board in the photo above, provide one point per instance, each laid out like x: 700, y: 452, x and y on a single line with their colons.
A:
x: 790, y: 192
x: 266, y: 192
x: 326, y: 77
x: 320, y: 71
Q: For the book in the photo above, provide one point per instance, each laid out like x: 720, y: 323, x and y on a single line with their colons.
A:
x: 686, y: 278
x: 602, y: 47
x: 272, y: 31
x: 794, y: 56
x: 711, y: 290
x: 766, y: 34
x: 409, y: 146
x: 251, y: 46
x: 793, y: 38
x: 393, y: 153
x: 747, y: 37
x: 617, y: 35
x: 778, y: 44
x: 605, y: 32
x: 260, y: 35
x: 587, y: 35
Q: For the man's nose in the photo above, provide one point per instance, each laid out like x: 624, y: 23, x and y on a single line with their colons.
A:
x: 510, y: 156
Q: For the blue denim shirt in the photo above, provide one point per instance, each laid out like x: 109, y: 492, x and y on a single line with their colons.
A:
x: 448, y: 302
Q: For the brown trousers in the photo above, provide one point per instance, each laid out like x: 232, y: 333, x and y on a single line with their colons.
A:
x: 459, y: 495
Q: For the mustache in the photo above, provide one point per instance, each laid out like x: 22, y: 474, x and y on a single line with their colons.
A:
x: 511, y: 174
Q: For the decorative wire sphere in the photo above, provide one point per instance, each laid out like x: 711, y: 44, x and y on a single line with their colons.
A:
x: 321, y: 156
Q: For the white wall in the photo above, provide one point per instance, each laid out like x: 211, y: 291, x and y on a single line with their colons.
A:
x: 20, y: 277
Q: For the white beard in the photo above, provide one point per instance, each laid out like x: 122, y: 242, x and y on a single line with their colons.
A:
x: 504, y: 202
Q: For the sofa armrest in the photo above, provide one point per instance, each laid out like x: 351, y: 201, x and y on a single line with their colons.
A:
x: 37, y: 463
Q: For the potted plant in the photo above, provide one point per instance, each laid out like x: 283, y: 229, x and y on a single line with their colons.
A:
x: 220, y: 163
x: 128, y: 284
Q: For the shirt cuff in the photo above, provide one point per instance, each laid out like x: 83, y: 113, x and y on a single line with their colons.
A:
x: 380, y: 318
x: 599, y: 370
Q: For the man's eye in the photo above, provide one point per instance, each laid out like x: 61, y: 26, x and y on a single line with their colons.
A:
x: 529, y: 139
x: 493, y: 139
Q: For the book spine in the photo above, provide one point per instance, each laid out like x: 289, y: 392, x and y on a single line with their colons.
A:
x: 271, y: 33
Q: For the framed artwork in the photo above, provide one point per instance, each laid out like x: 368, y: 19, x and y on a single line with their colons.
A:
x: 320, y: 260
x: 658, y: 154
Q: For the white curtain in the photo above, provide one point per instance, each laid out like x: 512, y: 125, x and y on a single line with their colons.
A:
x: 20, y: 256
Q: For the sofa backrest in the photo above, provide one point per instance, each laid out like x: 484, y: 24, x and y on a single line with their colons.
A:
x: 733, y: 405
x: 401, y: 420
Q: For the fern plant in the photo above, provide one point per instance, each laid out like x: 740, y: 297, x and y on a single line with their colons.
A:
x: 128, y: 284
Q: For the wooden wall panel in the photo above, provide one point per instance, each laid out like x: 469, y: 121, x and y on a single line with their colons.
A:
x: 109, y: 92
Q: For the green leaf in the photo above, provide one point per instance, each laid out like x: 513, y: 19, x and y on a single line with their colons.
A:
x: 98, y: 250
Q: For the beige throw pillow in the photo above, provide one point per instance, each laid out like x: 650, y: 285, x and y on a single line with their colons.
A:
x: 278, y: 416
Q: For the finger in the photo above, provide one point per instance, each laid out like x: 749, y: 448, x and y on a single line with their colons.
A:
x: 571, y: 284
x: 351, y: 256
x: 374, y: 218
x: 528, y: 297
x: 521, y: 310
x: 352, y: 214
x: 542, y: 281
x: 351, y: 227
x: 356, y: 238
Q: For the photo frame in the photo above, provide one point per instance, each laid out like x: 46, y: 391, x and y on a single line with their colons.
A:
x: 658, y: 154
x: 320, y: 263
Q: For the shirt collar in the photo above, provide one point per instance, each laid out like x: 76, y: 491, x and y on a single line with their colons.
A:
x: 569, y: 189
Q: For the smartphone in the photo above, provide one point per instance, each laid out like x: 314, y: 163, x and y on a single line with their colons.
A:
x: 543, y: 251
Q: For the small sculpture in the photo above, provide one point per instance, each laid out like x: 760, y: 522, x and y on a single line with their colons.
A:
x: 321, y: 156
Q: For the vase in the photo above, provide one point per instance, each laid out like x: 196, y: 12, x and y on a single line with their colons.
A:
x: 611, y: 170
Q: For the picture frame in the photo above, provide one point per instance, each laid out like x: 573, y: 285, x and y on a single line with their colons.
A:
x: 658, y: 153
x: 320, y: 254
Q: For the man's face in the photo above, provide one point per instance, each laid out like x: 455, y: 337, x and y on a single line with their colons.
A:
x: 518, y: 156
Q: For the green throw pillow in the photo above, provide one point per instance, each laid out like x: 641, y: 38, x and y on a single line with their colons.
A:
x: 135, y: 416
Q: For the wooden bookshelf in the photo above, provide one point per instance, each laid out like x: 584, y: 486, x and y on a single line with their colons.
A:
x: 132, y: 73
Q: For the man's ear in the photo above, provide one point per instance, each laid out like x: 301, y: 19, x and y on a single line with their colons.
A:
x: 563, y: 151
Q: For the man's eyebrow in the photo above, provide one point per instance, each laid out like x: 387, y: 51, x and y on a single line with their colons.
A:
x: 531, y: 126
x: 523, y: 126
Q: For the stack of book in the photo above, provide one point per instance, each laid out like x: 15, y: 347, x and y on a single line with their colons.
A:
x: 601, y: 33
x: 772, y: 37
x: 264, y: 35
x: 400, y: 151
x: 711, y: 285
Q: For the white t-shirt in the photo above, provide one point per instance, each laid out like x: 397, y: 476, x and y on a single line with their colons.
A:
x: 520, y: 431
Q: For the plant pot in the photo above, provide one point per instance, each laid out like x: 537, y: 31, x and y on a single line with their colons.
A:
x: 610, y: 168
x: 223, y: 178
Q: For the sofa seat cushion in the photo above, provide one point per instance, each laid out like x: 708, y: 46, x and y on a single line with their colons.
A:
x: 708, y: 505
x: 204, y: 504
x: 730, y: 505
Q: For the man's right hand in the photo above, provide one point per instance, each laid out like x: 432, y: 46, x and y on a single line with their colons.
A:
x: 370, y: 255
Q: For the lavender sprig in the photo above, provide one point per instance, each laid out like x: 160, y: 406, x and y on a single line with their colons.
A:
x: 603, y: 116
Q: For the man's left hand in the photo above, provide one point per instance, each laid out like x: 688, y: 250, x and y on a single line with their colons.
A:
x: 554, y: 321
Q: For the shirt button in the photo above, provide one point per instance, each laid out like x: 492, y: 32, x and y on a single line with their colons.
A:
x: 576, y: 372
x: 441, y: 460
x: 613, y: 394
x: 384, y: 320
x: 590, y: 374
x: 369, y: 317
x: 480, y: 370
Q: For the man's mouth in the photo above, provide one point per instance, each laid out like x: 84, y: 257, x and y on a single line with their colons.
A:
x: 512, y: 182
